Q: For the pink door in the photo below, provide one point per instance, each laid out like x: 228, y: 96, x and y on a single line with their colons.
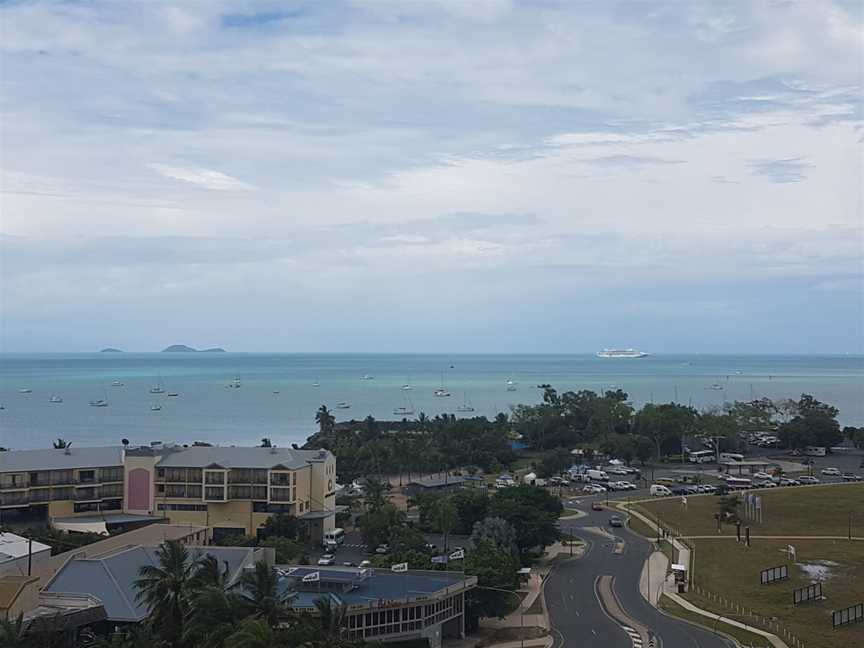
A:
x: 139, y: 490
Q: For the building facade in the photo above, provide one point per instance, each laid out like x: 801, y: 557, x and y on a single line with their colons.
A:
x: 229, y: 490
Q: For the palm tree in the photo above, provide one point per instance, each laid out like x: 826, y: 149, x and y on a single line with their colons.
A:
x: 12, y: 633
x: 331, y: 618
x: 165, y: 589
x: 325, y: 420
x: 252, y: 633
x: 208, y: 574
x: 374, y: 494
x: 214, y: 615
x: 259, y: 593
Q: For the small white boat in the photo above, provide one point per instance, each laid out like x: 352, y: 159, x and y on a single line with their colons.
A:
x: 464, y: 406
x: 117, y: 383
x: 316, y: 384
x: 367, y: 377
x: 407, y: 387
x: 275, y: 391
x: 101, y: 402
x: 715, y: 387
x: 155, y: 407
x: 441, y: 393
x: 172, y: 394
x: 343, y: 405
x: 25, y: 390
x: 55, y: 399
x: 403, y: 411
x: 158, y: 389
x: 511, y: 385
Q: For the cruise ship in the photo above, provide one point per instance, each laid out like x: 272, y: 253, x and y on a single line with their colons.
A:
x: 621, y: 353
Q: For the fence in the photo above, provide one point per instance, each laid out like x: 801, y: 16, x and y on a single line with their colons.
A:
x: 746, y: 615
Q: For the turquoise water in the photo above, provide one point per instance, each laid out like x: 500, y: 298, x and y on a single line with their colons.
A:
x: 206, y: 409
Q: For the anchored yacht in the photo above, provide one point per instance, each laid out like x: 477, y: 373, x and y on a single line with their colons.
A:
x: 621, y: 353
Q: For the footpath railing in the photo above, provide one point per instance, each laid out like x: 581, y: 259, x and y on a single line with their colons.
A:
x: 746, y: 615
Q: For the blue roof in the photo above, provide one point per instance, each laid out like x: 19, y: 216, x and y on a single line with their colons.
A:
x: 379, y: 584
x: 111, y: 576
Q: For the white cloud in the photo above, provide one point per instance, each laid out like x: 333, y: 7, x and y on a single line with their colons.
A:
x: 207, y: 178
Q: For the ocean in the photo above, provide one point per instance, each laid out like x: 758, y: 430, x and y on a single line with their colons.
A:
x: 208, y: 409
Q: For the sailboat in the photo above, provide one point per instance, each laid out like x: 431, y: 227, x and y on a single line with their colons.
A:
x: 157, y: 388
x: 117, y: 383
x: 465, y: 406
x: 343, y: 405
x: 155, y: 407
x: 407, y: 386
x: 405, y: 410
x: 235, y: 384
x: 368, y: 377
x: 511, y: 386
x: 55, y: 399
x: 25, y: 390
x: 316, y: 383
x: 442, y: 391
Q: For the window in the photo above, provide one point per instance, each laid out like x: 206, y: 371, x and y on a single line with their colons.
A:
x: 280, y: 494
x: 214, y: 493
x: 86, y: 476
x: 182, y: 507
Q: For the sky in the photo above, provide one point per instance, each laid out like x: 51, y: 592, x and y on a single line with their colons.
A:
x: 440, y: 176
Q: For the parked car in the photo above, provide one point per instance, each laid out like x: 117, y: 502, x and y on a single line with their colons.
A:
x: 616, y: 470
x: 348, y: 563
x: 830, y: 472
x: 616, y: 521
x: 594, y: 489
x: 851, y: 477
x: 365, y: 563
x: 706, y: 488
x: 679, y: 490
x: 596, y: 506
x: 762, y: 476
x: 659, y: 490
x: 765, y: 484
x: 382, y: 549
x: 326, y: 560
x: 808, y: 479
x: 787, y: 481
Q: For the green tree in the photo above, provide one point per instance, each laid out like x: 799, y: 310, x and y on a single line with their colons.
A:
x: 446, y: 516
x: 12, y: 633
x: 164, y: 589
x: 286, y: 549
x: 497, y: 531
x: 331, y: 618
x: 325, y: 420
x: 281, y: 525
x: 496, y: 568
x: 208, y: 573
x: 214, y: 615
x: 259, y: 593
x: 533, y: 514
x: 254, y: 632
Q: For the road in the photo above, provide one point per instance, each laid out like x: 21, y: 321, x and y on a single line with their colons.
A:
x: 576, y: 615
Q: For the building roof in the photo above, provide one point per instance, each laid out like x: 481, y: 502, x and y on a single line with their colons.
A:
x: 14, y: 546
x: 111, y: 576
x: 379, y: 584
x: 11, y: 587
x: 65, y: 459
x: 148, y: 535
x: 236, y: 457
x: 437, y: 482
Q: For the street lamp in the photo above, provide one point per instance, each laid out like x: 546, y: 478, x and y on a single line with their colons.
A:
x: 521, y: 609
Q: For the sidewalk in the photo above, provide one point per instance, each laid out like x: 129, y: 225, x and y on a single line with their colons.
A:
x: 669, y: 589
x: 516, y: 618
x: 653, y: 577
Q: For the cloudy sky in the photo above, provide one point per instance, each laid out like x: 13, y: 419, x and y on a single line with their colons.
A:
x: 449, y: 175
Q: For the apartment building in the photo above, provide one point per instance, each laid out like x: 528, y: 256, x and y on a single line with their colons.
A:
x: 62, y: 482
x: 229, y: 490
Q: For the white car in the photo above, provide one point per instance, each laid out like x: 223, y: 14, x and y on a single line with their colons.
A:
x: 614, y: 470
x: 831, y: 472
x: 786, y: 481
x: 808, y: 479
x: 594, y: 489
x: 326, y: 560
x: 626, y: 485
x: 766, y: 484
x: 762, y: 475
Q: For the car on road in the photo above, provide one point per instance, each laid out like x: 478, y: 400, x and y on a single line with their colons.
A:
x: 626, y: 485
x: 761, y: 475
x: 348, y: 563
x: 327, y: 560
x: 830, y: 472
x: 594, y: 489
x: 382, y: 549
x: 808, y: 479
x: 765, y: 484
x: 596, y: 506
x: 616, y: 521
x: 616, y: 470
x: 706, y: 488
x: 851, y: 477
x: 365, y: 563
x: 659, y: 490
x: 787, y: 481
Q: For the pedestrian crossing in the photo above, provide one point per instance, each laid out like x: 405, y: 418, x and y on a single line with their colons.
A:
x: 634, y: 636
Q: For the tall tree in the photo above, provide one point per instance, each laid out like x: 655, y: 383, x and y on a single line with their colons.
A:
x: 259, y: 592
x: 325, y: 420
x: 165, y: 587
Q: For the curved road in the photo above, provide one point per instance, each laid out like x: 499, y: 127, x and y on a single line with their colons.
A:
x: 574, y: 610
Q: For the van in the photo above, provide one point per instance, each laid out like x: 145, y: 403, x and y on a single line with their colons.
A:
x: 598, y: 475
x: 665, y: 481
x: 658, y: 490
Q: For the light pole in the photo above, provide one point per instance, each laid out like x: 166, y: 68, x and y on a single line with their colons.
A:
x: 521, y: 609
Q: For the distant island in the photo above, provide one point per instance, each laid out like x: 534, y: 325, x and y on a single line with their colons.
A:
x: 182, y: 348
x: 111, y: 350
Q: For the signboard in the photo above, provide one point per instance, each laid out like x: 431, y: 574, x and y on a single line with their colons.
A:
x: 809, y: 593
x: 852, y: 614
x: 773, y: 574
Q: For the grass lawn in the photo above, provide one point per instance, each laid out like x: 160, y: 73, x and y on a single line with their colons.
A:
x: 731, y: 570
x: 812, y: 510
x: 745, y: 638
x: 638, y: 526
